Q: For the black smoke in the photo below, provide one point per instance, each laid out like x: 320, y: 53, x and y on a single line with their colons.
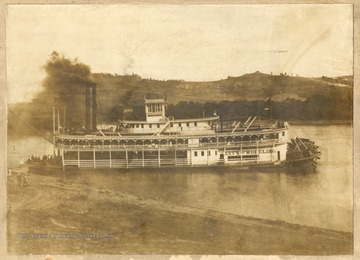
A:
x: 64, y: 88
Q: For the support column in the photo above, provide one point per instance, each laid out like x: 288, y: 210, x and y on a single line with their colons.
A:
x: 241, y: 154
x: 207, y: 154
x: 78, y: 157
x: 159, y: 163
x: 110, y: 157
x: 62, y: 158
x: 126, y: 158
x: 94, y: 158
x: 175, y: 157
x: 191, y: 155
x: 273, y: 152
x: 143, y: 159
x: 257, y: 152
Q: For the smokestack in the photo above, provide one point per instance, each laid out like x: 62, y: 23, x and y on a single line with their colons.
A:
x: 90, y: 107
x: 94, y: 107
x: 87, y: 108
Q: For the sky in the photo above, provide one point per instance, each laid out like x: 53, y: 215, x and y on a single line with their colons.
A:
x: 188, y: 42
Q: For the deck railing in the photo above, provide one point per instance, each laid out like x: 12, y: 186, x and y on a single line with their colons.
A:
x: 139, y: 147
x: 153, y: 163
x: 256, y: 131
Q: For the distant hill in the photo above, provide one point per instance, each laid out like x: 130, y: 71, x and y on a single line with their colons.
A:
x: 129, y: 90
x: 291, y: 98
x: 254, y: 86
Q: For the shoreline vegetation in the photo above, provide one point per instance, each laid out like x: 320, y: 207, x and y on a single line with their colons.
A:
x: 321, y: 122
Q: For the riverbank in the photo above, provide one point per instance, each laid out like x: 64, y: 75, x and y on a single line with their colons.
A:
x: 71, y: 214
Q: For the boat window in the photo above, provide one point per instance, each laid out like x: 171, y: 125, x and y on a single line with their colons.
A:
x: 195, y: 153
x: 202, y: 153
x: 150, y: 125
x: 209, y: 153
x: 137, y: 125
x: 171, y: 124
x: 142, y: 125
x: 195, y: 123
x: 215, y: 152
x: 179, y: 124
x: 283, y: 133
x: 249, y: 156
x: 187, y: 124
x: 158, y: 125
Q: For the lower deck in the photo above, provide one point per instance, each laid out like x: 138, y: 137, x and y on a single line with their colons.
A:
x: 174, y: 156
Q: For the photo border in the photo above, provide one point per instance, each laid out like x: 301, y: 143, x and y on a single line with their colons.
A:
x: 3, y: 124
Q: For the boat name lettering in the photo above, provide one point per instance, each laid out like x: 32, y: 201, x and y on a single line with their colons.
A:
x: 261, y: 151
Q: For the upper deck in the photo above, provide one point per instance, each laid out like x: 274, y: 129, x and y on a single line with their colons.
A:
x: 161, y: 127
x: 252, y: 135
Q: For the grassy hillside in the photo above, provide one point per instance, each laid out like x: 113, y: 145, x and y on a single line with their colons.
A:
x: 255, y: 86
x: 330, y: 98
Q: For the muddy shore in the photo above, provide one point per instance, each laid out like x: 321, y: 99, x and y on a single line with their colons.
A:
x: 58, y: 214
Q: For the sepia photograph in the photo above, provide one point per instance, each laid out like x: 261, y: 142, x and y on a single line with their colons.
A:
x: 179, y: 129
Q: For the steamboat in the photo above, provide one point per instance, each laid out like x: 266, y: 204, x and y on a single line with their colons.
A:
x: 161, y: 141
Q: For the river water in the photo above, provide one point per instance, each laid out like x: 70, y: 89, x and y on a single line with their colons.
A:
x: 321, y: 199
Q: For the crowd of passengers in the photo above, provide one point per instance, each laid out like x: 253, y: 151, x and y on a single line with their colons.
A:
x: 45, y: 160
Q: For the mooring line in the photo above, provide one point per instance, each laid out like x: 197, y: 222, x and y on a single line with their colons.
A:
x: 33, y: 128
